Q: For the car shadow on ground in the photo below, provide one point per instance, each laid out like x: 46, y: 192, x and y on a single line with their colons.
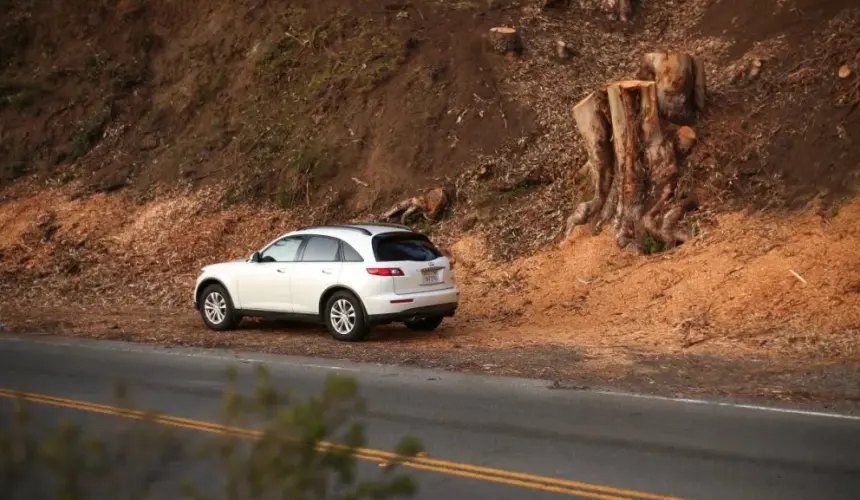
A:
x: 383, y: 333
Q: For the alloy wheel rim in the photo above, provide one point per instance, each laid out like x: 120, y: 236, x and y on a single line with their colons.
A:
x: 343, y: 316
x: 215, y: 307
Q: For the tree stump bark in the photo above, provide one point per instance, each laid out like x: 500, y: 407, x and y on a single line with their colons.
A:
x: 680, y: 82
x: 633, y: 165
x: 593, y: 121
x: 504, y: 40
x: 622, y: 9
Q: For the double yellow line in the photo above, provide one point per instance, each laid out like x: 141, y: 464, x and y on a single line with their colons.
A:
x: 531, y: 481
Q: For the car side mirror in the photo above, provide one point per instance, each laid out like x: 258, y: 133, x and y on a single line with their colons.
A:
x: 255, y: 257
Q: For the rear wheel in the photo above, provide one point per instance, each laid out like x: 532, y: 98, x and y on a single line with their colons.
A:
x: 344, y: 317
x: 217, y: 308
x: 424, y: 324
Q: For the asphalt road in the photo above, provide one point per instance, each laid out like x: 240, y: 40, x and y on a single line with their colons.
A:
x: 487, y: 437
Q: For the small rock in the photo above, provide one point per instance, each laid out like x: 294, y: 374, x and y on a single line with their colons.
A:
x: 755, y: 69
x: 469, y: 221
x: 148, y: 143
x: 737, y: 74
x: 844, y: 71
x: 686, y: 139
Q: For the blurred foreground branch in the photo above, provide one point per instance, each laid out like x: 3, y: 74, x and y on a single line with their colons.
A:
x: 303, y: 450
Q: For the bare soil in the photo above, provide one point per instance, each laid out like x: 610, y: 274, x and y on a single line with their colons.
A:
x: 762, y: 306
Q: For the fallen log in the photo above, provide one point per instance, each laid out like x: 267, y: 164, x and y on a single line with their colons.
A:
x: 429, y: 206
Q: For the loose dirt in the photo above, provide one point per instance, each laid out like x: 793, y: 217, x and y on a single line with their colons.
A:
x: 773, y: 292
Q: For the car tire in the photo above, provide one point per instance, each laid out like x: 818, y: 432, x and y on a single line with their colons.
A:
x: 216, y: 309
x: 344, y: 317
x: 424, y: 324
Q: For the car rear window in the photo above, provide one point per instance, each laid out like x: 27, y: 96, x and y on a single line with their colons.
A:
x: 404, y: 246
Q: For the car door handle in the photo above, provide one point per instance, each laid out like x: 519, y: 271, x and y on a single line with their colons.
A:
x: 282, y: 270
x: 326, y: 271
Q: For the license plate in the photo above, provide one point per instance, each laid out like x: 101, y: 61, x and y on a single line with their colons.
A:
x: 430, y: 276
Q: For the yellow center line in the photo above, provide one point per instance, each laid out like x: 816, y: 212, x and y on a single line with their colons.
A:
x: 544, y: 483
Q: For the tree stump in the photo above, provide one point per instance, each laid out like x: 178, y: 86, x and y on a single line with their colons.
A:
x: 633, y: 165
x: 621, y: 9
x: 563, y: 50
x: 504, y: 40
x: 680, y: 82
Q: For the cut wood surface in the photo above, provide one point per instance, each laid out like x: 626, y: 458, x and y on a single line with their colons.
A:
x: 680, y: 82
x: 506, y: 40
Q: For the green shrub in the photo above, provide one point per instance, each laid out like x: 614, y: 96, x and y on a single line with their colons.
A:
x: 303, y: 450
x: 88, y: 136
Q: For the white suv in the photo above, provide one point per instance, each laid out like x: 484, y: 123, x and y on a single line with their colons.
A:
x: 349, y: 277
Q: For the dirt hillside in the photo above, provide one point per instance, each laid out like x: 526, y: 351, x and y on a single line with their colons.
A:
x: 142, y: 140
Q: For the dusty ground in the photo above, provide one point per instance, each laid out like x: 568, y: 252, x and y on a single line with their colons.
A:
x: 758, y: 306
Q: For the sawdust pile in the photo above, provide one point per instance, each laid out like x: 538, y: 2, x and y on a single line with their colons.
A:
x: 784, y: 284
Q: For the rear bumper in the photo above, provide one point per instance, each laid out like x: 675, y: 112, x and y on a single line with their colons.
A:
x: 391, y: 307
x: 444, y: 310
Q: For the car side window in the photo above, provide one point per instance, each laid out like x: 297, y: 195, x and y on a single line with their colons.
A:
x: 321, y: 249
x: 283, y: 250
x: 349, y: 253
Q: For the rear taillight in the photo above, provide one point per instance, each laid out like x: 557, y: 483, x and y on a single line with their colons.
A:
x: 384, y: 271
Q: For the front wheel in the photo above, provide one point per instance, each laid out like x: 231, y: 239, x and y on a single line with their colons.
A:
x: 424, y: 324
x: 344, y: 317
x: 217, y: 308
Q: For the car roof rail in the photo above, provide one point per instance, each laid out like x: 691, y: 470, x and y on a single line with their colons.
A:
x: 383, y: 224
x: 337, y: 226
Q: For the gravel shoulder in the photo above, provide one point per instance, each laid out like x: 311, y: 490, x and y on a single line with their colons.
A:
x: 477, y: 347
